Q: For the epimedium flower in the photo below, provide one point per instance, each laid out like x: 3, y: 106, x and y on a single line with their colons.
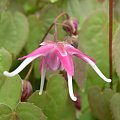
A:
x: 56, y: 55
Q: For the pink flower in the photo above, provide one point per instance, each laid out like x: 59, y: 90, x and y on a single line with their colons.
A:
x: 56, y: 55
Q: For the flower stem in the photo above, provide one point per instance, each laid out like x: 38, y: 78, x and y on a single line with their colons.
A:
x: 47, y: 32
x: 60, y: 15
x: 61, y: 24
x: 29, y: 72
x: 110, y: 38
x: 55, y: 33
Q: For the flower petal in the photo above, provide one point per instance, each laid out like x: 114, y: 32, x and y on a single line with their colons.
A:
x: 41, y: 51
x: 93, y: 65
x: 21, y: 67
x: 67, y: 63
x: 61, y: 48
x: 70, y: 87
x: 70, y: 49
x: 53, y: 61
x: 43, y: 71
x: 73, y: 51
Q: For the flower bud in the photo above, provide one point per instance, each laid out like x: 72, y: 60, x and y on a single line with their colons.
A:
x: 73, y: 41
x: 77, y: 102
x: 70, y: 26
x: 26, y: 90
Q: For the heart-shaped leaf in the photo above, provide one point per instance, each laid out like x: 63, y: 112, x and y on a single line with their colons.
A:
x: 28, y: 111
x: 45, y: 102
x: 10, y: 91
x: 13, y: 31
x: 10, y: 88
x: 99, y: 102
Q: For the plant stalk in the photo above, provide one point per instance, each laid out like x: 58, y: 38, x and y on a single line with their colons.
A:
x: 110, y: 38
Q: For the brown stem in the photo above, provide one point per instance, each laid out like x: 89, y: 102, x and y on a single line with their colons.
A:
x: 28, y: 73
x: 55, y: 34
x: 60, y: 15
x: 47, y: 32
x: 110, y: 38
x: 61, y: 24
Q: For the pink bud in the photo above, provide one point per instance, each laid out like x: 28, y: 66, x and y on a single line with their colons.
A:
x: 26, y: 90
x: 75, y: 23
x: 71, y: 26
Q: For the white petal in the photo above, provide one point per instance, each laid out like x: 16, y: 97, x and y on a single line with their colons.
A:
x: 93, y: 65
x: 70, y: 87
x: 43, y: 71
x: 20, y: 68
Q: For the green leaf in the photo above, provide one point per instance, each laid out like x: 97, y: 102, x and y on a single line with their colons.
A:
x: 84, y: 101
x: 10, y: 91
x: 10, y: 88
x: 118, y: 86
x: 36, y: 33
x: 115, y: 106
x: 5, y: 56
x: 116, y: 51
x: 25, y: 6
x: 99, y: 102
x: 54, y: 101
x: 81, y: 9
x: 23, y: 111
x: 28, y: 111
x: 87, y: 116
x: 45, y: 102
x: 71, y: 7
x: 5, y: 112
x: 58, y: 92
x: 94, y: 37
x: 51, y: 13
x: 66, y: 110
x: 13, y: 31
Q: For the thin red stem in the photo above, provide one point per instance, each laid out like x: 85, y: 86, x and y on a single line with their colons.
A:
x: 110, y: 38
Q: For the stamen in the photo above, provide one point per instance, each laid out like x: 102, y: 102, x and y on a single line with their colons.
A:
x: 20, y: 68
x: 43, y: 71
x: 93, y: 65
x: 70, y: 87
